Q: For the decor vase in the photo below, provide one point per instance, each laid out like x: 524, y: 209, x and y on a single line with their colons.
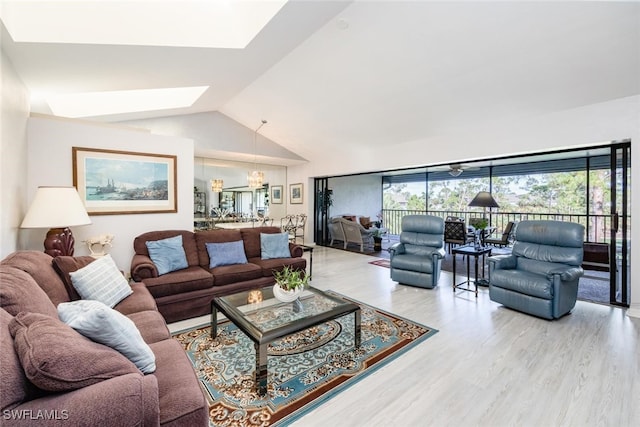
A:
x: 377, y: 243
x: 284, y: 295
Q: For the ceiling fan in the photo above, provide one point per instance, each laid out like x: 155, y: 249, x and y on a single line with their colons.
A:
x: 455, y: 169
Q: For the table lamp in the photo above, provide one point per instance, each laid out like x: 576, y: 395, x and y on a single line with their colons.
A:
x: 57, y: 208
x: 485, y: 200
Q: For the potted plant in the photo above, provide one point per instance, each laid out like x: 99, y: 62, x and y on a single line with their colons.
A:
x: 377, y: 239
x: 289, y: 284
x: 480, y: 226
x: 378, y: 223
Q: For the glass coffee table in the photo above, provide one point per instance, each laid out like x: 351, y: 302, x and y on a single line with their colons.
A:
x: 252, y: 312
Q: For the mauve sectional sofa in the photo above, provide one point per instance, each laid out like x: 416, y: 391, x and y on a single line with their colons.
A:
x: 87, y: 384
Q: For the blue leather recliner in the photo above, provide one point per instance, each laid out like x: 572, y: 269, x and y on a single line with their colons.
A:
x: 417, y: 258
x: 541, y: 275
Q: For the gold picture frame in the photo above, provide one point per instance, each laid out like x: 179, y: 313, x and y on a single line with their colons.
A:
x: 112, y: 182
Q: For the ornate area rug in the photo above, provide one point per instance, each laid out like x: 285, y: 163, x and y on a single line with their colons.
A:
x: 304, y: 369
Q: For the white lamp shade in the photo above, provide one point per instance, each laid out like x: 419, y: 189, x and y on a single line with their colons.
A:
x: 56, y: 207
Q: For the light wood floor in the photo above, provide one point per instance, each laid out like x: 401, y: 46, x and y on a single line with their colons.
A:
x: 488, y: 365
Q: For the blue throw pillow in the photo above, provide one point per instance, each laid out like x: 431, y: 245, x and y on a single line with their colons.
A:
x: 227, y: 253
x: 107, y: 326
x: 168, y: 254
x: 274, y: 245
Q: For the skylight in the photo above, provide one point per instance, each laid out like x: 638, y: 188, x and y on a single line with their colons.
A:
x: 89, y: 104
x: 228, y: 24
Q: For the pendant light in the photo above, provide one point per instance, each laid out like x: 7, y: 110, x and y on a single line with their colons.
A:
x: 216, y: 185
x: 255, y: 178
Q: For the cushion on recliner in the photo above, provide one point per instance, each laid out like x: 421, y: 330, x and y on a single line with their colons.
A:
x: 523, y: 282
x: 545, y: 253
x: 552, y: 233
x: 423, y: 224
x: 421, y: 263
x: 539, y: 267
x: 421, y: 239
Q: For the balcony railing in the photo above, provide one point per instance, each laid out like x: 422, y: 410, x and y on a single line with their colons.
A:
x: 598, y: 226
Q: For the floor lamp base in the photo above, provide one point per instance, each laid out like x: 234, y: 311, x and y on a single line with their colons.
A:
x: 59, y: 242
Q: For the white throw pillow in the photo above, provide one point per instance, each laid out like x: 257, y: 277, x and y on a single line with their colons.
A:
x: 107, y: 326
x: 102, y: 281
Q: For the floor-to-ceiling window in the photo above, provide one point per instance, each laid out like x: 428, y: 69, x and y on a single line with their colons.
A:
x: 565, y: 185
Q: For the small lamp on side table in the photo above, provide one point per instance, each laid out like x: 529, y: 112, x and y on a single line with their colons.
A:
x: 57, y: 208
x: 485, y: 200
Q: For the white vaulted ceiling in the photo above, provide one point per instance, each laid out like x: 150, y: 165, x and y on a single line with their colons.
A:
x: 368, y: 73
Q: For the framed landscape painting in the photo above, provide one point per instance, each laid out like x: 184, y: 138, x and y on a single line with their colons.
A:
x: 120, y: 182
x: 296, y: 194
x: 276, y: 194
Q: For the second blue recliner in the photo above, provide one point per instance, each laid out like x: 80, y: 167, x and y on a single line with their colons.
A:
x: 541, y: 275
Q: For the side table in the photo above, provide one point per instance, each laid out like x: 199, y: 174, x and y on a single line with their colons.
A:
x: 470, y: 251
x: 309, y: 248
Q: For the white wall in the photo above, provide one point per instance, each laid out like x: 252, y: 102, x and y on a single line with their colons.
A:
x: 359, y: 195
x: 13, y: 155
x: 50, y: 163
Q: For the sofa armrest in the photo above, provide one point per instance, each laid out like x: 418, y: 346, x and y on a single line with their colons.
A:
x: 396, y: 249
x: 130, y: 399
x: 567, y: 274
x: 296, y: 250
x: 502, y: 262
x: 142, y: 268
x: 439, y: 253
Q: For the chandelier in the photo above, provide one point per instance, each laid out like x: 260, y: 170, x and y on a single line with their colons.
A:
x: 216, y: 185
x: 255, y: 178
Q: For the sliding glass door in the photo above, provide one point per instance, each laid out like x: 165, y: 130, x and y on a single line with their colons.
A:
x: 322, y: 204
x: 620, y: 242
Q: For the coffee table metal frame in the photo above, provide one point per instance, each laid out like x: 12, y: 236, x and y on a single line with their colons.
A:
x: 470, y: 251
x: 229, y: 306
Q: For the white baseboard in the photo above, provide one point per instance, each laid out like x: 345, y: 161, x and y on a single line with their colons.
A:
x: 634, y: 311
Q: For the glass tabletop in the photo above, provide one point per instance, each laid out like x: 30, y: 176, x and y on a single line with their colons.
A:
x: 471, y: 250
x: 260, y: 309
